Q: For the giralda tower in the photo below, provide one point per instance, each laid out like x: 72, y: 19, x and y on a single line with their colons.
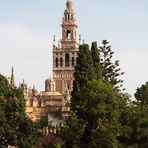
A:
x: 65, y: 55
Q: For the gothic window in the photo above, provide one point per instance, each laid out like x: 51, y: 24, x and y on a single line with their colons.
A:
x: 73, y: 61
x: 68, y: 35
x: 66, y: 60
x: 56, y: 62
x: 61, y: 62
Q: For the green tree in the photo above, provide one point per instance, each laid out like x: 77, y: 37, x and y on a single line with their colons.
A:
x: 96, y: 99
x: 142, y: 93
x: 101, y: 114
x: 95, y: 54
x: 15, y: 127
x: 84, y: 71
x: 110, y: 70
x: 134, y: 122
x: 72, y: 131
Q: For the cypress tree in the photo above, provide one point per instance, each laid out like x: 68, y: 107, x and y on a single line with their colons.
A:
x: 84, y: 72
x: 84, y: 69
x: 96, y: 60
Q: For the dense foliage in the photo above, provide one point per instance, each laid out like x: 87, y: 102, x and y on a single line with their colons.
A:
x: 134, y: 121
x: 15, y: 127
x: 102, y: 115
x: 84, y: 71
x: 73, y: 131
x: 95, y: 54
x: 142, y: 94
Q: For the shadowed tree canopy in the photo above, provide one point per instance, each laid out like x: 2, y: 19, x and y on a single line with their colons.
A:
x: 15, y: 127
x: 134, y: 122
x: 95, y: 54
x: 104, y: 114
x: 142, y: 93
x: 95, y: 97
x: 84, y: 71
x: 98, y: 111
x: 73, y: 130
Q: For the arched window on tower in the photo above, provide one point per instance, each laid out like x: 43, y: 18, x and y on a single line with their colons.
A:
x: 61, y: 62
x: 56, y: 62
x: 68, y: 17
x: 68, y: 35
x: 66, y: 60
x: 73, y: 61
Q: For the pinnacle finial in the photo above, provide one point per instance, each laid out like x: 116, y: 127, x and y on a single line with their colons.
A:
x: 69, y: 4
x: 12, y: 81
x: 12, y: 69
x: 54, y: 39
x: 70, y: 1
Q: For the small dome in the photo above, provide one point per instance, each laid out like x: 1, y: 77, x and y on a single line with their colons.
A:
x: 49, y: 85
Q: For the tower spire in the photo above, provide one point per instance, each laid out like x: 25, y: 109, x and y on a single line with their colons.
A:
x: 69, y: 14
x: 12, y: 81
x: 69, y: 25
x: 69, y: 4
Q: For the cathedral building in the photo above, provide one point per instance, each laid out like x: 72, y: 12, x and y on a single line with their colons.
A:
x: 54, y: 101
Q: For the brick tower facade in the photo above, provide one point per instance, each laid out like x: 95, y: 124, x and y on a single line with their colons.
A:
x: 65, y: 55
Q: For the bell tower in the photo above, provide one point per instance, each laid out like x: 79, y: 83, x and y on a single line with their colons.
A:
x: 69, y: 27
x: 65, y: 54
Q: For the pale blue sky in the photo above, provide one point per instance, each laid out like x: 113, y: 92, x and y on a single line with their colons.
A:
x: 27, y: 28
